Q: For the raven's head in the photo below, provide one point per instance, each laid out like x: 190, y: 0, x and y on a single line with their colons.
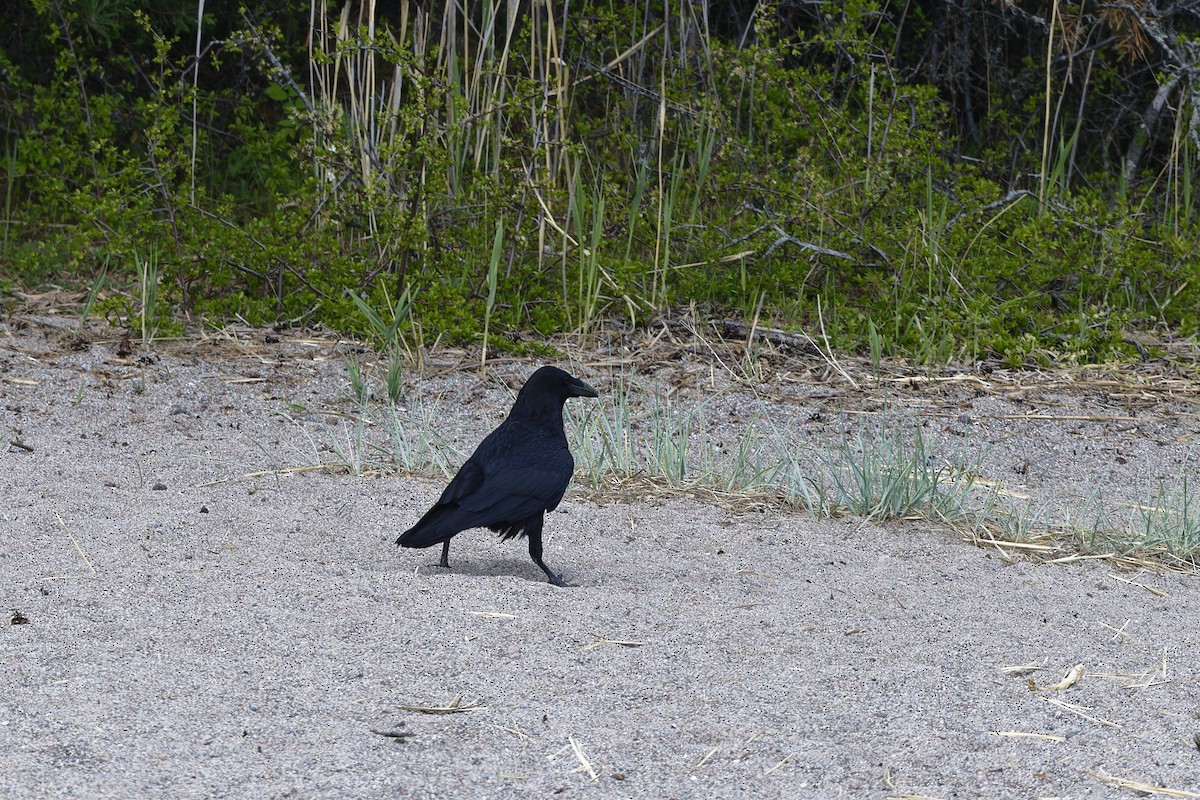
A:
x: 547, y: 390
x: 554, y: 382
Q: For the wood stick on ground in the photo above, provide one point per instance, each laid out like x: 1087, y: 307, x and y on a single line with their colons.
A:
x: 75, y: 542
x: 455, y: 706
x: 1138, y: 786
x: 584, y: 764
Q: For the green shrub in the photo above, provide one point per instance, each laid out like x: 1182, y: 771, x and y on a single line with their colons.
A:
x: 789, y: 164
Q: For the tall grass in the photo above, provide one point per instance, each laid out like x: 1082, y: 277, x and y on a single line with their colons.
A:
x: 93, y: 294
x: 493, y: 279
x: 587, y: 217
x: 9, y: 162
x: 436, y: 111
x: 386, y: 337
x: 1181, y: 174
x: 148, y: 312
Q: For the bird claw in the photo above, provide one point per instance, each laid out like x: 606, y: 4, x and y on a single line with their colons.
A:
x: 557, y: 581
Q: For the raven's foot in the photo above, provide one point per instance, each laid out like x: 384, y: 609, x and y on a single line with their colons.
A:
x: 535, y: 552
x: 551, y: 576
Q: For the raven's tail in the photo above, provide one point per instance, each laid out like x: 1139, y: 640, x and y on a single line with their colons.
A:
x: 435, y: 527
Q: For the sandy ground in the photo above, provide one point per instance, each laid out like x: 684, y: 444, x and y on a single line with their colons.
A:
x: 182, y: 620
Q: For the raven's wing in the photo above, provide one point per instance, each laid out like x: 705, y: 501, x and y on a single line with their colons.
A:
x: 470, y: 476
x: 517, y: 471
x: 512, y: 476
x: 511, y: 493
x: 445, y: 518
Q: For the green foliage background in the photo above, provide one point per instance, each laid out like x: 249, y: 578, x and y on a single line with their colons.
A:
x: 946, y: 182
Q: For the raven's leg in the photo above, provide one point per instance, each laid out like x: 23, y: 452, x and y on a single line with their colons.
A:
x: 535, y: 552
x: 445, y: 562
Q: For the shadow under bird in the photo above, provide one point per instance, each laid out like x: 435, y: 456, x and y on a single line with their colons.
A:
x: 517, y: 474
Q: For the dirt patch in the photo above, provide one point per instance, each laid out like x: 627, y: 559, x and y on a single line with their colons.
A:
x: 185, y: 616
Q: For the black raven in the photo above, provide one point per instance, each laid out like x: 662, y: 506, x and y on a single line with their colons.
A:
x: 517, y: 474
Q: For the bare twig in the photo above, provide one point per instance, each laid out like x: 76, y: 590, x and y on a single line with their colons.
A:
x: 75, y: 542
x: 455, y: 706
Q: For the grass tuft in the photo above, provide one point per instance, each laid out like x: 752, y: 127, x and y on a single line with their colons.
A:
x: 1172, y: 521
x: 895, y: 476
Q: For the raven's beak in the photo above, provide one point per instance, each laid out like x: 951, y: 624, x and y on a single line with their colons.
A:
x: 578, y: 388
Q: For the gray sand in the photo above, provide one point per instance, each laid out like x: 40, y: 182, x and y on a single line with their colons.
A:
x: 187, y: 631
